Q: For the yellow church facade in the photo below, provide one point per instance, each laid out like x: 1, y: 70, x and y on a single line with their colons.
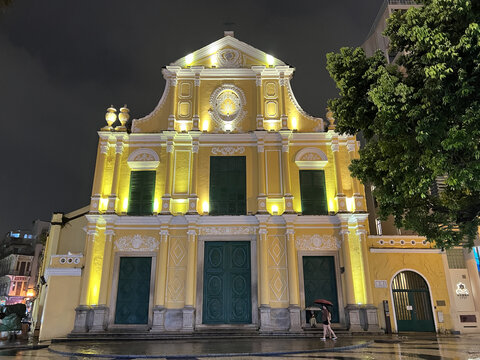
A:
x: 229, y: 207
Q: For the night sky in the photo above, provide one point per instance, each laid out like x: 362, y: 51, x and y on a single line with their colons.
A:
x: 62, y: 63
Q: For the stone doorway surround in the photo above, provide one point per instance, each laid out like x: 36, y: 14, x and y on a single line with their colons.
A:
x: 334, y: 253
x: 200, y: 269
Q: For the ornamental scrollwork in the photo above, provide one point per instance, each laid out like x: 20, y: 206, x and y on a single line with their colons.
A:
x: 136, y: 243
x: 227, y: 230
x: 317, y: 242
x: 228, y: 150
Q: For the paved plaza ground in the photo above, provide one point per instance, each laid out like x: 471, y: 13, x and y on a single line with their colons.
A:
x: 379, y: 347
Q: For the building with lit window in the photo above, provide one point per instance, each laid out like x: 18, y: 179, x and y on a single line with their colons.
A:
x: 229, y: 207
x: 460, y: 266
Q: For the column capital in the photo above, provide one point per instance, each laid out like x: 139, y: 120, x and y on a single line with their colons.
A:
x: 335, y: 147
x: 351, y: 146
x: 104, y: 148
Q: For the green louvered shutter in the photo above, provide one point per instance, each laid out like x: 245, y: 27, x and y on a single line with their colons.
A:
x: 313, y: 192
x: 142, y: 192
x: 228, y: 190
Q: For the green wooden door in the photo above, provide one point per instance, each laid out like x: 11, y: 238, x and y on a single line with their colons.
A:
x: 133, y: 293
x: 142, y: 193
x: 226, y: 283
x: 313, y: 193
x: 228, y: 190
x: 320, y: 283
x: 411, y: 299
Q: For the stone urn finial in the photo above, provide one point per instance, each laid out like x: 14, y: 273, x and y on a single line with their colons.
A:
x: 110, y: 118
x: 123, y: 118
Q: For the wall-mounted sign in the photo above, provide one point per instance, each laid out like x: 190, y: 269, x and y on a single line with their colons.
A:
x: 462, y: 290
x: 409, y: 307
x: 381, y: 284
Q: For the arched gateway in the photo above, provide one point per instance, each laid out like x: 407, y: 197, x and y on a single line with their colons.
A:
x: 411, y: 299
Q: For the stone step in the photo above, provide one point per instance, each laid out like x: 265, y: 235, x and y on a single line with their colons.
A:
x: 200, y: 334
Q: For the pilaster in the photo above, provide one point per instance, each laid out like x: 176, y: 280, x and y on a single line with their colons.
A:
x: 262, y: 197
x: 91, y: 235
x: 99, y: 174
x: 107, y: 256
x: 193, y: 198
x: 168, y: 177
x: 112, y: 198
x: 358, y: 197
x: 341, y: 200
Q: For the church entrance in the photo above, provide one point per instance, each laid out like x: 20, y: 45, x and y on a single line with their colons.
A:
x: 227, y: 283
x: 133, y: 293
x: 411, y: 299
x: 320, y: 283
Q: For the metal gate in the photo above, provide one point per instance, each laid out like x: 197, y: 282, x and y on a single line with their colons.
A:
x: 411, y: 299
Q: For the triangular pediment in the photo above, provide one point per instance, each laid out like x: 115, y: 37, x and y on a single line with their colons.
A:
x: 228, y: 52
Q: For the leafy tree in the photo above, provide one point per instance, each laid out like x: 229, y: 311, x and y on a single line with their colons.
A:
x: 420, y: 118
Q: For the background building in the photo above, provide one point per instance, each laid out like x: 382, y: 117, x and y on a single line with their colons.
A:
x: 460, y: 266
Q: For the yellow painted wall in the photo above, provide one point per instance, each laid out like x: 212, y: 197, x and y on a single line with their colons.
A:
x: 59, y: 309
x: 383, y: 266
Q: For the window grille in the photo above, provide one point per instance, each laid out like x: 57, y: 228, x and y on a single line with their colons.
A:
x: 456, y: 259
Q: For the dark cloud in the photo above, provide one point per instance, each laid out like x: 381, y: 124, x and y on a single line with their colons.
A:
x: 62, y: 63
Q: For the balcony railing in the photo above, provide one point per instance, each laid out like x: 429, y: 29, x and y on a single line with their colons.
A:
x: 402, y: 2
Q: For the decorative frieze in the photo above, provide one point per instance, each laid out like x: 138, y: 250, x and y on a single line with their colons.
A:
x: 228, y: 150
x: 136, y: 243
x: 317, y: 242
x: 227, y: 230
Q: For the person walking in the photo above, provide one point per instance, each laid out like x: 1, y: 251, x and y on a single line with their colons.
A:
x: 326, y: 320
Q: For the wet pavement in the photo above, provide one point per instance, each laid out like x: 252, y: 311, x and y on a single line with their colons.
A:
x: 365, y: 348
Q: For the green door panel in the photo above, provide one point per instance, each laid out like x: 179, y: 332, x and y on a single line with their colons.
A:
x: 142, y: 193
x: 320, y: 283
x: 313, y: 192
x: 228, y: 190
x: 227, y: 284
x: 133, y: 294
x: 411, y: 298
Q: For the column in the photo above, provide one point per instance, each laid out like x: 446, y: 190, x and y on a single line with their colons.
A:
x: 258, y: 82
x: 81, y: 312
x: 286, y: 176
x: 350, y: 293
x: 107, y: 261
x: 284, y: 116
x: 171, y: 118
x: 196, y: 103
x: 159, y: 310
x: 370, y: 309
x: 352, y: 309
x: 341, y: 201
x: 112, y: 198
x: 168, y: 178
x: 357, y: 195
x: 293, y: 286
x: 262, y: 198
x: 188, y: 311
x: 101, y: 311
x: 265, y: 321
x: 193, y: 198
x: 99, y: 170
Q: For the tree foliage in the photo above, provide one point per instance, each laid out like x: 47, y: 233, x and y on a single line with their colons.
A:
x: 420, y: 118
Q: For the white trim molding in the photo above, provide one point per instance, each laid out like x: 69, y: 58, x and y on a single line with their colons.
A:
x: 409, y: 251
x: 311, y: 158
x: 62, y: 272
x: 143, y: 159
